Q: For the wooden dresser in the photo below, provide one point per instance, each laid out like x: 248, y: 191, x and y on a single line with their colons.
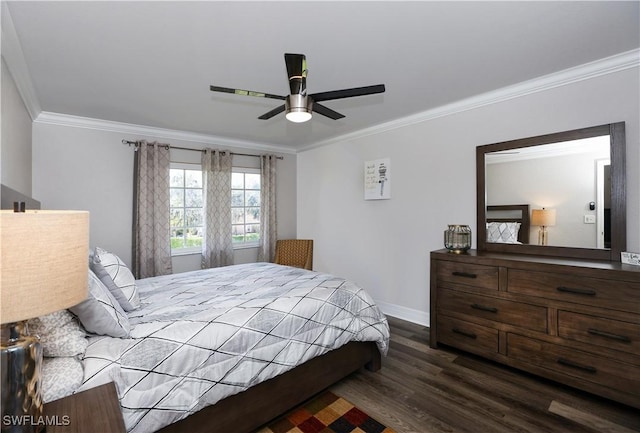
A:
x: 573, y: 321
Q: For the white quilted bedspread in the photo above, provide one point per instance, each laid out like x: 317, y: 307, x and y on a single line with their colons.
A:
x: 204, y: 335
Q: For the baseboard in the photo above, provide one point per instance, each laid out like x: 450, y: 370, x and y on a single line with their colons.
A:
x: 404, y: 313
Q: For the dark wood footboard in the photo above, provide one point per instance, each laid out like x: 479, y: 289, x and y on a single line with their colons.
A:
x: 248, y: 410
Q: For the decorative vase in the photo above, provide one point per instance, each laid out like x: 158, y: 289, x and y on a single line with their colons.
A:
x: 457, y: 238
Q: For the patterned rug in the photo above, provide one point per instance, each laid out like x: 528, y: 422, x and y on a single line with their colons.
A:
x: 326, y: 413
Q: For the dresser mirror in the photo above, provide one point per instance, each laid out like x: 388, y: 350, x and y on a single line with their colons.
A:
x: 560, y: 194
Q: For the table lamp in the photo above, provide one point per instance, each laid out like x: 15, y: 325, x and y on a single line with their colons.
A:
x: 44, y: 268
x: 543, y: 218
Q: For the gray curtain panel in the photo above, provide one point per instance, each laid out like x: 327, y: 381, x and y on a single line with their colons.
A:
x: 268, y: 226
x: 217, y: 248
x: 151, y: 231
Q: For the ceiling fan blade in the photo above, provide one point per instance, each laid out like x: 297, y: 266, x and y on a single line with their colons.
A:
x: 272, y: 113
x: 348, y: 93
x: 325, y: 111
x: 245, y: 92
x: 297, y: 73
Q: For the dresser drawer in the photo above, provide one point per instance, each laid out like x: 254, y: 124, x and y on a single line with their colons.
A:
x: 582, y: 365
x: 480, y: 276
x: 467, y: 336
x: 623, y: 295
x: 499, y: 310
x: 612, y: 334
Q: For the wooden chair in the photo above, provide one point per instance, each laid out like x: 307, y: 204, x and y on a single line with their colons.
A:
x: 295, y: 252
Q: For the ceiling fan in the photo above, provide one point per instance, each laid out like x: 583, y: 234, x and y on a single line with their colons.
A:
x: 298, y: 105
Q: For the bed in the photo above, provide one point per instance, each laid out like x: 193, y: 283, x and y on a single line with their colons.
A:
x: 229, y: 349
x: 508, y: 223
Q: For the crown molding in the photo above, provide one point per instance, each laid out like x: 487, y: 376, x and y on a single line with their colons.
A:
x: 145, y: 132
x: 16, y: 64
x: 608, y: 65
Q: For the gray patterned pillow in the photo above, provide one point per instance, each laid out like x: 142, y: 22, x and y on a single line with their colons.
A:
x: 100, y: 313
x: 60, y: 334
x: 60, y: 377
x: 115, y: 274
x: 503, y: 232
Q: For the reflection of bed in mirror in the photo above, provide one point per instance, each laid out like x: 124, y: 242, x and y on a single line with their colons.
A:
x: 508, y: 223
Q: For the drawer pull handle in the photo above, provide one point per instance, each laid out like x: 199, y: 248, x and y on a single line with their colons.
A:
x: 483, y: 308
x: 465, y: 333
x: 587, y: 292
x: 572, y: 364
x: 622, y: 338
x: 463, y: 274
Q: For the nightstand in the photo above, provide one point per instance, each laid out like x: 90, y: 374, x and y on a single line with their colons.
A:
x: 94, y: 410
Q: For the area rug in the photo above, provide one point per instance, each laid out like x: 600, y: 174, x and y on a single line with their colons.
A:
x: 326, y: 413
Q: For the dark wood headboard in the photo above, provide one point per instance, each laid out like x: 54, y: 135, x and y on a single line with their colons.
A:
x: 8, y: 196
x: 523, y: 219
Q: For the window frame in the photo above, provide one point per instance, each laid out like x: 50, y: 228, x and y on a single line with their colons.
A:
x: 245, y: 244
x: 195, y: 167
x: 235, y: 245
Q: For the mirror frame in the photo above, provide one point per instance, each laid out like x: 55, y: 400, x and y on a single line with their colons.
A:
x: 616, y: 132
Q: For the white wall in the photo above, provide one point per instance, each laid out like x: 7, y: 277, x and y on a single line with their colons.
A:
x: 15, y: 150
x: 89, y: 169
x: 384, y: 245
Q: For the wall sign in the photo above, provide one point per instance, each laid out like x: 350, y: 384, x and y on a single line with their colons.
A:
x: 377, y: 179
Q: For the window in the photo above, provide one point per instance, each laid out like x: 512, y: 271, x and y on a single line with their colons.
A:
x: 187, y: 213
x: 245, y: 206
x: 186, y: 208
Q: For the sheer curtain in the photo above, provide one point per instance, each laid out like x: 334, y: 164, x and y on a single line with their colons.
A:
x: 151, y: 231
x: 268, y: 227
x: 217, y: 248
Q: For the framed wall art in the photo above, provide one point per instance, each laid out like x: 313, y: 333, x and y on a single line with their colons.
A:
x: 377, y: 179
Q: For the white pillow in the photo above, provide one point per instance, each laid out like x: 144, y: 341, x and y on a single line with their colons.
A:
x: 60, y: 334
x: 115, y: 274
x: 503, y: 232
x: 60, y: 377
x: 100, y: 313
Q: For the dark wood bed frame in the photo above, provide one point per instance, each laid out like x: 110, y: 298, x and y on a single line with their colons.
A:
x: 524, y: 220
x: 250, y: 409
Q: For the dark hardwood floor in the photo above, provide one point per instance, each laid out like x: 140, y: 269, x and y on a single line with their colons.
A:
x: 423, y: 390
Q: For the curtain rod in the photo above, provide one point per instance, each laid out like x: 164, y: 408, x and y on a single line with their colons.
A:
x: 137, y: 143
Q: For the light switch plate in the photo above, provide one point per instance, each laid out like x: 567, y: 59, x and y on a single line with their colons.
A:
x: 630, y: 258
x: 589, y: 219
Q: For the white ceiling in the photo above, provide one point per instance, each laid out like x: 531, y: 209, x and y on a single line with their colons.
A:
x: 151, y: 63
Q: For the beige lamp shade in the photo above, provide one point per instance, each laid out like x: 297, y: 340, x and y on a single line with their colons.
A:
x: 44, y: 262
x: 543, y: 217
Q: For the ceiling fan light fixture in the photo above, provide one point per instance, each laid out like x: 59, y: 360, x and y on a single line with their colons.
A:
x: 298, y: 116
x: 298, y: 108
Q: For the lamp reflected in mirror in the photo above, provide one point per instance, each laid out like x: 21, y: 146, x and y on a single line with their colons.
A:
x: 543, y: 218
